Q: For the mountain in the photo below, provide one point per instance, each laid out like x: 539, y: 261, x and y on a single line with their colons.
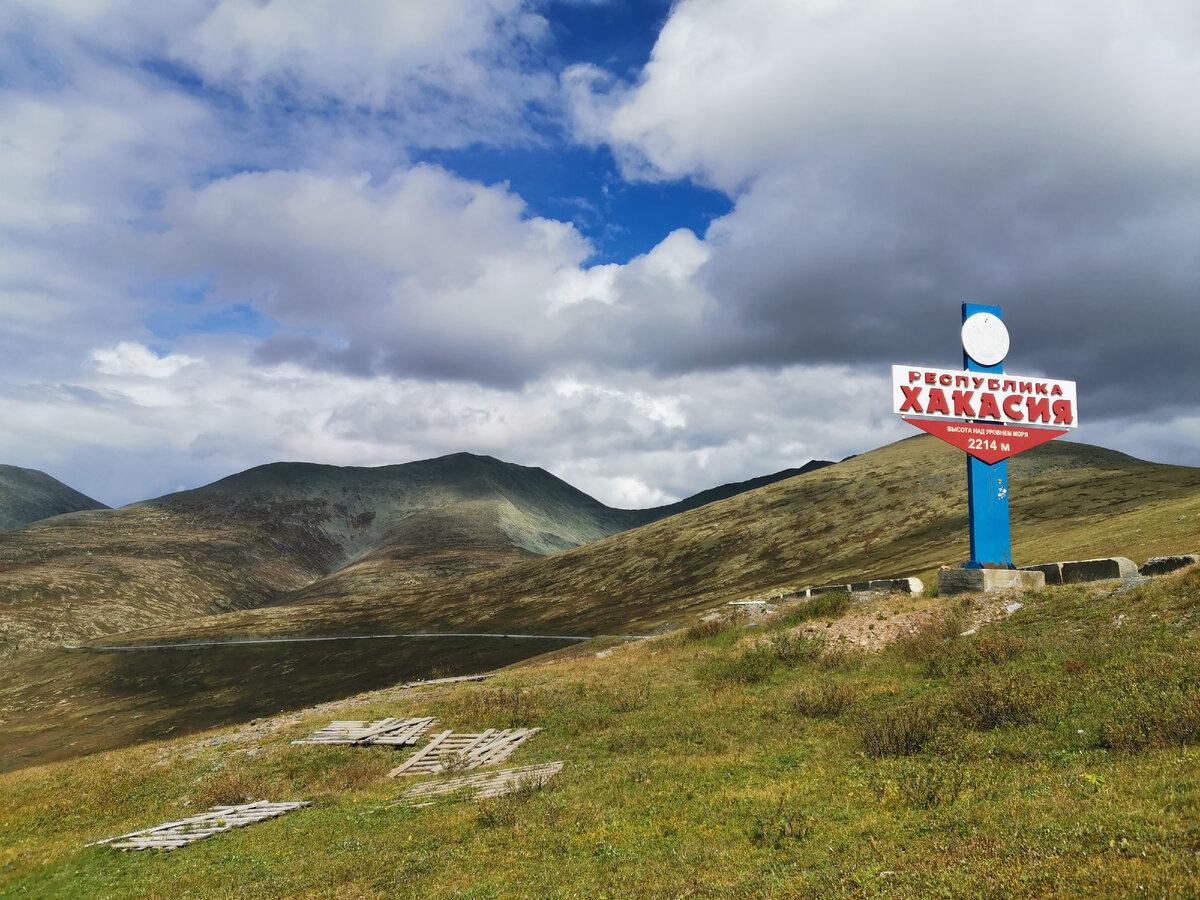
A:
x: 725, y: 491
x: 899, y: 510
x: 254, y: 538
x: 27, y: 495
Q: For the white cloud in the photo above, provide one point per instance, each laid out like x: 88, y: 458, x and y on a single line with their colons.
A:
x: 734, y: 89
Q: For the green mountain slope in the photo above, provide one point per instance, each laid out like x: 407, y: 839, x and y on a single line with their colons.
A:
x: 27, y: 495
x: 253, y: 538
x: 897, y: 510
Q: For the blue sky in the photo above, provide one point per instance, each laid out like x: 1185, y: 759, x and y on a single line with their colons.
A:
x: 651, y: 247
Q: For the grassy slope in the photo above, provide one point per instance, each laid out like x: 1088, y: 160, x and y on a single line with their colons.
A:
x: 1060, y: 761
x: 1069, y: 501
x: 27, y: 495
x: 247, y: 540
x: 899, y: 510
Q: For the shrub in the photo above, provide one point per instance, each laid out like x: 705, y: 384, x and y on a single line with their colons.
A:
x: 987, y: 701
x: 926, y: 783
x: 783, y: 824
x: 995, y: 646
x: 827, y: 606
x: 929, y: 643
x: 900, y: 730
x: 1154, y: 715
x: 760, y: 661
x: 705, y: 629
x: 823, y: 700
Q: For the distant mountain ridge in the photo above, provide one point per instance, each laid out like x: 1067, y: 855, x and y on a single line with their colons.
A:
x: 257, y: 537
x: 29, y: 495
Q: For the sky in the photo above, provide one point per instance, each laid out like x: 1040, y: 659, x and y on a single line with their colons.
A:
x: 651, y: 247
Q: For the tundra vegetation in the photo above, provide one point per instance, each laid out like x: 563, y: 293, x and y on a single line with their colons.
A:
x: 1053, y: 752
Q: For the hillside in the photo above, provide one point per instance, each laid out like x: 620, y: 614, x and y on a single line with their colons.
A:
x: 27, y: 495
x: 897, y: 510
x: 252, y: 538
x: 1050, y: 754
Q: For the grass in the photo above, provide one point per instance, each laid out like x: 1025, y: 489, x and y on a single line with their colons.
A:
x: 179, y: 562
x: 683, y: 782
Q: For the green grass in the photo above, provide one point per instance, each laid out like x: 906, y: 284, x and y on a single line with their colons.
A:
x: 1046, y: 764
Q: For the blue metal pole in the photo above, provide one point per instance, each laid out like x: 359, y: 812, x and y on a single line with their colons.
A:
x: 987, y: 486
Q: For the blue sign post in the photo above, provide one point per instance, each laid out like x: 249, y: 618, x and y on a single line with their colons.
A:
x: 987, y: 485
x: 991, y: 415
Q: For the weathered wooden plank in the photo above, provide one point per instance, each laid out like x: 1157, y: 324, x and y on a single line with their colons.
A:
x: 171, y: 835
x: 382, y: 731
x: 485, y: 785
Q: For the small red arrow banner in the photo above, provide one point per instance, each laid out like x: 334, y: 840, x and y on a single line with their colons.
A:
x: 990, y: 443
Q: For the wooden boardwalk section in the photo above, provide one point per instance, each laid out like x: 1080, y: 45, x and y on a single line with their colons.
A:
x: 464, y: 752
x: 483, y: 785
x: 172, y: 835
x: 389, y: 732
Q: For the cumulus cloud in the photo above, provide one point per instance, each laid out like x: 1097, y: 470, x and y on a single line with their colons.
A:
x: 149, y: 423
x: 225, y: 158
x: 890, y: 160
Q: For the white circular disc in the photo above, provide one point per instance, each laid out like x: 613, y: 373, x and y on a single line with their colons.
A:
x: 985, y: 338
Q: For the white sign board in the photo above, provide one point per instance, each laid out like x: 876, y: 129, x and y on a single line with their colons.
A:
x: 922, y: 392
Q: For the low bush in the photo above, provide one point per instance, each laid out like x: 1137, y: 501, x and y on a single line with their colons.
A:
x: 987, y: 701
x: 763, y: 659
x: 900, y: 730
x: 925, y: 783
x: 704, y: 629
x: 1151, y: 716
x: 828, y: 607
x: 824, y: 699
x: 784, y: 823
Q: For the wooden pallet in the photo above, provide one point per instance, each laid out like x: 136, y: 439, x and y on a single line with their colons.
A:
x: 483, y: 785
x: 464, y: 751
x: 172, y: 835
x: 390, y: 732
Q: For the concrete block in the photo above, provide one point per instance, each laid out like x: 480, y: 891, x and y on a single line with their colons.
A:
x: 962, y: 581
x: 830, y: 588
x: 898, y: 585
x: 1098, y: 569
x: 860, y: 586
x: 1160, y: 565
x: 1052, y: 571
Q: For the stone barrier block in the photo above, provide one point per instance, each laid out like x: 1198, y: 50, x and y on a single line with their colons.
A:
x: 830, y: 588
x: 860, y: 586
x: 1098, y: 569
x: 1160, y: 565
x: 962, y: 581
x: 1052, y: 571
x: 791, y: 595
x: 898, y: 585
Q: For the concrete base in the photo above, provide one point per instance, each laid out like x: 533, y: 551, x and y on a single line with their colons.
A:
x: 962, y: 581
x: 1098, y: 569
x: 898, y: 585
x: 1052, y: 571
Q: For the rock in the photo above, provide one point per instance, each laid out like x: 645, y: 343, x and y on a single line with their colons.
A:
x: 1160, y: 565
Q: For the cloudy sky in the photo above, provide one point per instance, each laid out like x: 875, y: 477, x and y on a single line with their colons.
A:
x: 651, y: 247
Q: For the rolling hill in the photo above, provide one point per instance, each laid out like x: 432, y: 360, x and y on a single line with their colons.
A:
x: 27, y: 495
x: 899, y: 510
x: 253, y: 538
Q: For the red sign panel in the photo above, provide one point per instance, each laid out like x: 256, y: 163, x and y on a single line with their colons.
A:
x: 990, y: 443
